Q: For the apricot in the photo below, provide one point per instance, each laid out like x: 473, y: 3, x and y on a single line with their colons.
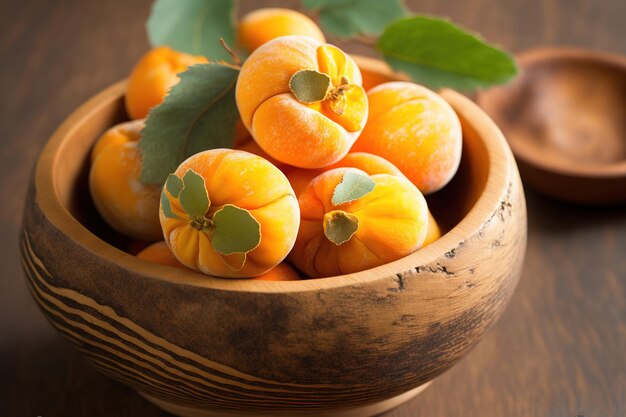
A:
x: 310, y: 122
x: 372, y: 78
x: 372, y: 164
x: 123, y: 201
x: 281, y: 272
x: 341, y: 237
x: 416, y: 130
x: 160, y: 253
x: 433, y: 232
x: 153, y: 76
x: 252, y: 147
x: 262, y: 25
x: 119, y: 134
x: 229, y: 213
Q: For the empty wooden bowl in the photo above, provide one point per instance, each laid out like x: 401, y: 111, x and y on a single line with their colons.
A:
x: 352, y: 345
x: 565, y: 119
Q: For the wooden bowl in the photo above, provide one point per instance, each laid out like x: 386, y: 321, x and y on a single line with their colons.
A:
x: 565, y: 119
x: 351, y: 345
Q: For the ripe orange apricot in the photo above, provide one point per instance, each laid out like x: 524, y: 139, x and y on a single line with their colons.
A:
x: 300, y: 178
x: 153, y: 76
x: 307, y: 131
x: 281, y: 272
x: 252, y: 147
x: 434, y: 231
x: 160, y: 253
x: 373, y: 78
x: 369, y: 163
x: 341, y: 237
x: 263, y: 25
x: 126, y: 204
x: 120, y: 133
x: 416, y: 130
x: 229, y: 213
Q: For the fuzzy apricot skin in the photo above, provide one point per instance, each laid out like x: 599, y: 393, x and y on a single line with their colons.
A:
x: 434, y: 231
x: 371, y: 164
x: 281, y: 272
x: 160, y: 253
x: 306, y: 136
x: 246, y: 181
x: 119, y: 134
x: 261, y: 26
x: 152, y: 77
x: 393, y: 220
x: 123, y: 201
x: 416, y: 130
x: 252, y: 147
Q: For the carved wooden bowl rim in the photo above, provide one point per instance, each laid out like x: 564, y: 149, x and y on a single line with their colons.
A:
x: 499, y: 172
x: 537, y: 57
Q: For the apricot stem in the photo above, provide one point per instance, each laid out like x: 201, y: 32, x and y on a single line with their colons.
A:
x: 202, y: 224
x: 337, y: 98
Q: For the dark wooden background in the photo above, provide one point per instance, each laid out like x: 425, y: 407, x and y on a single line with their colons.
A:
x: 560, y: 348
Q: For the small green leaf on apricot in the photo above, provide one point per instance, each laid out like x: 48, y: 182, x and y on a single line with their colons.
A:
x: 309, y: 86
x: 167, y: 207
x: 339, y: 226
x: 174, y: 185
x: 353, y: 186
x: 236, y: 231
x: 194, y: 197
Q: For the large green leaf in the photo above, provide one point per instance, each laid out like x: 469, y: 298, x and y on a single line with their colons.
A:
x: 437, y: 53
x: 193, y: 26
x: 346, y: 18
x: 199, y: 113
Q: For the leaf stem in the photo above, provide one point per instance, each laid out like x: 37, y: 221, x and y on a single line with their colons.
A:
x: 236, y: 59
x: 366, y: 40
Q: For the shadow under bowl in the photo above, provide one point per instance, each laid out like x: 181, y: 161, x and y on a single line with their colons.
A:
x: 565, y: 120
x: 351, y: 345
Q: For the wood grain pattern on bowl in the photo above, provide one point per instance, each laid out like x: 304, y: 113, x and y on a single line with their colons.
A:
x: 352, y: 345
x: 565, y: 119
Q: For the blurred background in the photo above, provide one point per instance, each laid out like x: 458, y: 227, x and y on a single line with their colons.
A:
x: 559, y: 349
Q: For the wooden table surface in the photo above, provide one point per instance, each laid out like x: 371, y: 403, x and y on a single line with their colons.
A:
x: 559, y: 349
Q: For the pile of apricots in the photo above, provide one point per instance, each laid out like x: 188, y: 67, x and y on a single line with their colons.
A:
x: 330, y: 176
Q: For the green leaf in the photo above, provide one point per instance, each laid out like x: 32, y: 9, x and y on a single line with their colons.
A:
x: 236, y: 231
x: 174, y: 185
x: 347, y: 18
x: 199, y: 113
x: 167, y: 207
x: 309, y: 86
x: 437, y: 53
x: 194, y: 197
x: 193, y: 26
x: 352, y: 186
x: 339, y: 226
